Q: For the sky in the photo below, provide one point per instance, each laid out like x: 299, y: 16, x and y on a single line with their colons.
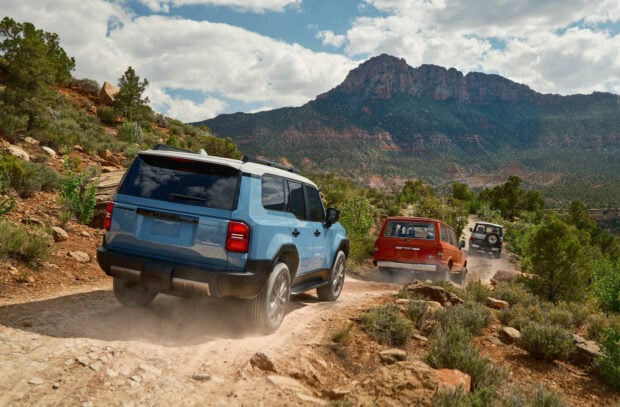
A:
x: 203, y: 58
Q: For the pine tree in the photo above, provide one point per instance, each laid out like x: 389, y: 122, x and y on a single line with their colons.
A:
x: 128, y: 102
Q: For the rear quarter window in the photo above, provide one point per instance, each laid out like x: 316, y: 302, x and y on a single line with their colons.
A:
x: 181, y: 180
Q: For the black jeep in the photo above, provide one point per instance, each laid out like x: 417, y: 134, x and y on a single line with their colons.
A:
x: 486, y: 237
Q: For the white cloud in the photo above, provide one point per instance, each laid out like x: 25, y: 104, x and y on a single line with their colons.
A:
x: 184, y: 110
x: 220, y: 58
x: 328, y: 37
x: 553, y: 46
x: 256, y: 6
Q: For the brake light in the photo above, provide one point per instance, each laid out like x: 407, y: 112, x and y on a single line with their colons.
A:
x: 238, y: 237
x: 107, y: 221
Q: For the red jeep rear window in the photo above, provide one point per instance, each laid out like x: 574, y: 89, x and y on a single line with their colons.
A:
x: 411, y: 230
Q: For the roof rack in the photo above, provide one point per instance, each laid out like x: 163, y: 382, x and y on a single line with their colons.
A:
x: 252, y: 159
x: 166, y: 147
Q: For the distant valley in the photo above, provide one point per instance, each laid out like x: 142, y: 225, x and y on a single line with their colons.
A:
x: 388, y: 120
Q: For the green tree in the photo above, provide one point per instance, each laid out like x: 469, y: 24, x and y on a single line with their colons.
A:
x: 461, y: 192
x: 558, y: 254
x: 35, y: 63
x: 128, y: 102
x: 357, y: 218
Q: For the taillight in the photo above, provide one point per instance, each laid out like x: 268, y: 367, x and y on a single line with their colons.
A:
x: 107, y: 222
x: 238, y: 237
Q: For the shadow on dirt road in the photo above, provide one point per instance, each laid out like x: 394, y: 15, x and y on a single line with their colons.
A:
x: 168, y: 321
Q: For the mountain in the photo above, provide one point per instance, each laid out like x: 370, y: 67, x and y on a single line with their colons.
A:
x: 436, y: 124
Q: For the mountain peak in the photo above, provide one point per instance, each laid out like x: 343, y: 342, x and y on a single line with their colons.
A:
x: 384, y: 76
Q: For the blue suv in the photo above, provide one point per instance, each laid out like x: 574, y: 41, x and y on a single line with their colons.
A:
x: 186, y: 224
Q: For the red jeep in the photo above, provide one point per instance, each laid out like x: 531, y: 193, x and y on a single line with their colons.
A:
x: 424, y: 248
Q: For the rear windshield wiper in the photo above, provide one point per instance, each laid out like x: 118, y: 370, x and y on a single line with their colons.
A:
x: 181, y: 197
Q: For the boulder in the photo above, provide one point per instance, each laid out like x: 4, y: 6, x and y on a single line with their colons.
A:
x: 79, y: 256
x: 433, y: 293
x: 451, y: 379
x: 107, y: 94
x: 107, y: 184
x: 49, y: 151
x: 496, y: 304
x: 586, y: 352
x: 391, y: 356
x: 408, y: 383
x: 18, y: 152
x: 263, y: 361
x: 509, y: 335
x: 59, y: 234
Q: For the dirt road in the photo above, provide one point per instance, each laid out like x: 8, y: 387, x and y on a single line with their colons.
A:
x: 84, y: 348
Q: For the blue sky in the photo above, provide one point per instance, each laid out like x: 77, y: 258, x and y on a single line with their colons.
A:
x: 207, y: 57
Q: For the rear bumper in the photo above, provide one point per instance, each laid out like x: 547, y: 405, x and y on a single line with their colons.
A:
x: 182, y: 279
x: 484, y: 247
x: 409, y: 266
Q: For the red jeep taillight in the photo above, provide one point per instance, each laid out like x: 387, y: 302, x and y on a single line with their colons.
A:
x: 238, y: 237
x: 107, y: 222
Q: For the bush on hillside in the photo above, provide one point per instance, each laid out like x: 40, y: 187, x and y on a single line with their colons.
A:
x: 610, y: 361
x: 547, y: 342
x: 77, y: 194
x: 26, y: 177
x: 30, y: 245
x: 386, y: 325
x: 471, y: 316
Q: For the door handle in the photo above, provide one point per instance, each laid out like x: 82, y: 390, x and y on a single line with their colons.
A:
x: 295, y: 232
x: 317, y: 233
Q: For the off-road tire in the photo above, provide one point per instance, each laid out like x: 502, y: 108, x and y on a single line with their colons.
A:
x: 267, y: 309
x: 132, y: 294
x: 331, y: 291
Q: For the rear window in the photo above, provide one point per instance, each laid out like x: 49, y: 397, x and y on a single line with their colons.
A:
x: 412, y: 230
x: 181, y: 180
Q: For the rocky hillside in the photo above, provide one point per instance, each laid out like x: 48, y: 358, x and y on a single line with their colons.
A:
x: 438, y: 124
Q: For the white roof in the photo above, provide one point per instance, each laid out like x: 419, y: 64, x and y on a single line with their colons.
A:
x: 246, y: 167
x: 488, y: 223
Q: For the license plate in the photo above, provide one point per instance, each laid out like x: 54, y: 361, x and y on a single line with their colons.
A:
x: 167, y: 228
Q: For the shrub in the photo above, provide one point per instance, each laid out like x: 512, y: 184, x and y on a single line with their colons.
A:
x: 77, y: 194
x: 514, y: 293
x: 520, y: 315
x: 451, y: 398
x: 537, y: 395
x: 597, y: 325
x: 472, y: 316
x: 342, y: 335
x: 88, y: 86
x: 386, y: 325
x: 106, y: 115
x: 610, y: 361
x: 547, y: 342
x: 478, y: 292
x: 26, y: 177
x: 6, y: 205
x: 558, y: 314
x: 451, y: 347
x: 562, y: 265
x: 416, y: 310
x: 130, y: 132
x: 606, y: 284
x: 32, y: 246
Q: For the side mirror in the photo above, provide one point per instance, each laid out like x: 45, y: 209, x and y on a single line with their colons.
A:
x: 471, y: 229
x: 333, y: 215
x: 462, y: 244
